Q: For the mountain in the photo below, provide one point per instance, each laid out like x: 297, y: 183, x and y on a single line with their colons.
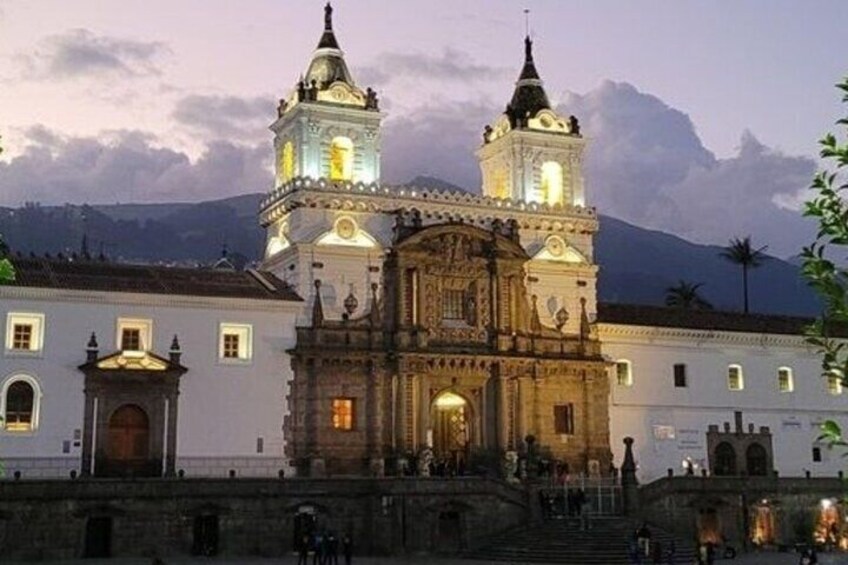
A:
x: 637, y: 264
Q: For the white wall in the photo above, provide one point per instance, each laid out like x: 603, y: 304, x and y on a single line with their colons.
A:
x: 223, y: 408
x: 652, y: 400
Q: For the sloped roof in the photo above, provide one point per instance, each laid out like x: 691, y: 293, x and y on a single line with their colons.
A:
x: 658, y: 316
x: 148, y: 279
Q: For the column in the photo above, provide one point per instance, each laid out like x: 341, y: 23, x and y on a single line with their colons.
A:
x: 171, y: 447
x: 423, y: 409
x: 87, y: 434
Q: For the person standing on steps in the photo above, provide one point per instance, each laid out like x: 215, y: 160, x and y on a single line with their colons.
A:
x: 643, y: 535
x: 582, y: 509
x: 347, y: 548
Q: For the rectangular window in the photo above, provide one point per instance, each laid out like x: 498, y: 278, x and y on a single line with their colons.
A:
x: 24, y: 333
x: 134, y: 334
x: 343, y: 413
x: 784, y: 380
x: 564, y: 419
x: 817, y: 455
x: 834, y: 386
x: 735, y: 380
x: 235, y: 343
x: 131, y: 339
x: 680, y: 375
x: 624, y: 373
x: 453, y: 304
x: 22, y: 337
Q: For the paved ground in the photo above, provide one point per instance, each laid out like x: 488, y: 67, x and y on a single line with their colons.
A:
x: 753, y: 559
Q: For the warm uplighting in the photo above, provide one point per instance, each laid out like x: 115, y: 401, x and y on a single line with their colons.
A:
x: 341, y: 159
x: 449, y: 400
x: 551, y: 187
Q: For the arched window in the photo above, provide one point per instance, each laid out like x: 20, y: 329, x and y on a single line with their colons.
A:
x: 20, y: 402
x: 756, y: 460
x: 725, y: 460
x: 551, y: 183
x: 341, y: 159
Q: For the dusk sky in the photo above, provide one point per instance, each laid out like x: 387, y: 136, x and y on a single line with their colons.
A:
x: 703, y: 116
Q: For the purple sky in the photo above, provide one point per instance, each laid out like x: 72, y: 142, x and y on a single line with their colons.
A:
x: 153, y: 100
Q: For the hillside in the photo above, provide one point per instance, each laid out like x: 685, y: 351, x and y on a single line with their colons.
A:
x: 637, y: 264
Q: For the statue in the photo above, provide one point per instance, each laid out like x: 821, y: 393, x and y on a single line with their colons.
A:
x: 487, y: 133
x: 425, y: 458
x: 370, y: 99
x: 510, y: 467
x: 301, y: 91
x: 573, y: 125
x: 281, y: 107
x: 313, y: 90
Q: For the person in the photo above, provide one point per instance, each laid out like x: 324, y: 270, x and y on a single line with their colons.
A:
x: 671, y: 553
x: 303, y: 550
x: 656, y: 553
x: 332, y: 556
x: 643, y: 535
x: 634, y: 552
x: 317, y: 544
x: 347, y: 548
x: 582, y: 509
x: 710, y: 553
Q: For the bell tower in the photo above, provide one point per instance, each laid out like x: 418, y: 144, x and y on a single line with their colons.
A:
x: 328, y: 128
x: 531, y: 153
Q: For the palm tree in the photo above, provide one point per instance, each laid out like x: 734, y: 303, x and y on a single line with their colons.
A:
x: 685, y: 295
x: 742, y: 253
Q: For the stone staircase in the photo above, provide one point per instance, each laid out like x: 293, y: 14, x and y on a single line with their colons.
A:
x: 562, y: 541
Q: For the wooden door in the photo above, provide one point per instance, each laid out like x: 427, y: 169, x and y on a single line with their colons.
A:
x: 129, y: 435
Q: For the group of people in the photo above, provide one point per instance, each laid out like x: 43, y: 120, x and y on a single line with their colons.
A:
x: 571, y: 502
x: 643, y: 549
x: 324, y: 547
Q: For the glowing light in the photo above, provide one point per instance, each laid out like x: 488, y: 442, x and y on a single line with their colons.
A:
x: 341, y: 159
x: 448, y: 400
x: 551, y: 187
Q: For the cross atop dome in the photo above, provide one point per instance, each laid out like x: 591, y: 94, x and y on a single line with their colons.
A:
x: 328, y: 38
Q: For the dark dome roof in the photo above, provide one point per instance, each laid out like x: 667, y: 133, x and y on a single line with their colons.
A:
x: 529, y: 96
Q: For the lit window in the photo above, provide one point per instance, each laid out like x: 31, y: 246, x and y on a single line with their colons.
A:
x: 134, y: 334
x: 551, y: 183
x: 564, y: 419
x: 834, y: 385
x: 287, y: 162
x: 235, y: 343
x: 343, y: 413
x: 19, y: 404
x: 784, y: 380
x: 24, y: 332
x: 735, y: 379
x: 624, y: 373
x: 453, y: 304
x: 341, y: 159
x: 680, y: 375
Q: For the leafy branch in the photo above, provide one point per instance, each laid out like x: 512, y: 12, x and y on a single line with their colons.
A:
x: 829, y: 279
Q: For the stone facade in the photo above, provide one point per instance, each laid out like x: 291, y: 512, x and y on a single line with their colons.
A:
x: 456, y: 324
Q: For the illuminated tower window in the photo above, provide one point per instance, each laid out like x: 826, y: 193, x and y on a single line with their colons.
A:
x: 341, y: 159
x: 551, y: 183
x: 500, y: 182
x: 288, y: 161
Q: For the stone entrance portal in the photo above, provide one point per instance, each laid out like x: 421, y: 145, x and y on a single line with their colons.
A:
x: 451, y: 420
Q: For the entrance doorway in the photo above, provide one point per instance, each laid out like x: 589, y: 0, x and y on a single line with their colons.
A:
x: 98, y: 537
x: 305, y: 524
x: 763, y: 525
x: 205, y: 535
x: 450, y: 532
x: 451, y: 420
x: 128, y: 448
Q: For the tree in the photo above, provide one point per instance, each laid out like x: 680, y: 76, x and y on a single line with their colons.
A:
x: 685, y: 295
x: 830, y: 280
x: 741, y: 252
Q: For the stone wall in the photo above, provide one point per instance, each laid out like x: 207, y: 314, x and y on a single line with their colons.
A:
x: 678, y: 504
x: 48, y: 519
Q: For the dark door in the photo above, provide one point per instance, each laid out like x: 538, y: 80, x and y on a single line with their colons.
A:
x: 450, y: 534
x: 128, y: 448
x: 98, y: 537
x: 304, y: 527
x: 205, y: 535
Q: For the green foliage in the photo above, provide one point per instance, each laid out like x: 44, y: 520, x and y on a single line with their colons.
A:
x: 830, y: 280
x: 685, y: 295
x: 7, y: 271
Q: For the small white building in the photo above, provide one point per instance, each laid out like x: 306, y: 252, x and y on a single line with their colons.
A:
x: 116, y: 369
x: 752, y: 377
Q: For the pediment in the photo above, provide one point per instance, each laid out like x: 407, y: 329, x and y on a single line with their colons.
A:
x: 132, y: 361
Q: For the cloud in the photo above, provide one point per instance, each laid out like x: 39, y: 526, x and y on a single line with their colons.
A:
x: 451, y: 65
x: 81, y: 53
x: 226, y: 116
x: 646, y: 164
x: 128, y: 167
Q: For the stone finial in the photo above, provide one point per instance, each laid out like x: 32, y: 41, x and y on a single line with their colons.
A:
x: 328, y: 17
x: 585, y: 328
x: 92, y: 349
x: 317, y: 307
x: 628, y: 466
x: 535, y: 323
x: 175, y: 353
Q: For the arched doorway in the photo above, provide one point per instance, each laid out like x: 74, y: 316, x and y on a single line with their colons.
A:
x: 451, y: 420
x: 756, y: 460
x: 725, y: 460
x: 128, y: 449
